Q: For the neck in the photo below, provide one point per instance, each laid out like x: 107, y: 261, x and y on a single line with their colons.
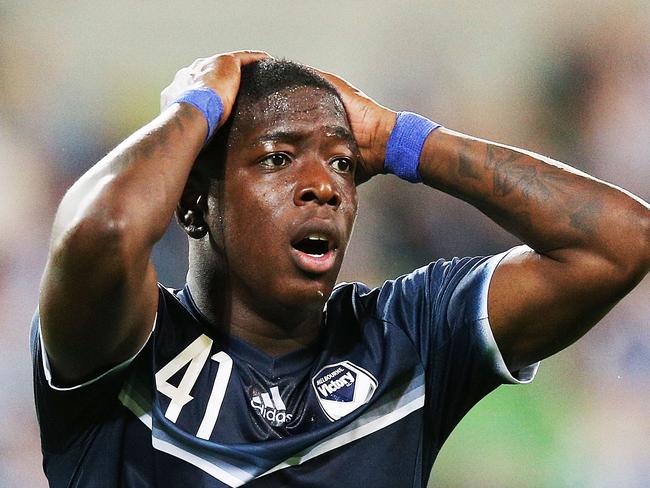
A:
x: 274, y: 329
x: 275, y: 335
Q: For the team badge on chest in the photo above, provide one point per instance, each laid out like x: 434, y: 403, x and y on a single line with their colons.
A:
x: 343, y: 387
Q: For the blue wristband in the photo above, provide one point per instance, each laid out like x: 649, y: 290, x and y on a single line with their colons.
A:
x: 405, y: 145
x: 208, y: 102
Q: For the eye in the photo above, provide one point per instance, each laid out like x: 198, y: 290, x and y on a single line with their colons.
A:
x: 273, y: 161
x: 343, y: 165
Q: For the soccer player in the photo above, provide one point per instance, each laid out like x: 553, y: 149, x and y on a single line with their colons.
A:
x: 260, y: 371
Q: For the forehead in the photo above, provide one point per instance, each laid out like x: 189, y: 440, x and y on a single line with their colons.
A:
x: 294, y: 108
x: 300, y: 101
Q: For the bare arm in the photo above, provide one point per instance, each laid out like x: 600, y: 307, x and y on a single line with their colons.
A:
x: 591, y: 240
x: 98, y: 293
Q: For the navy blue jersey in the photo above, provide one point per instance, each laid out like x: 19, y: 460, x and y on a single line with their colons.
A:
x: 370, y: 403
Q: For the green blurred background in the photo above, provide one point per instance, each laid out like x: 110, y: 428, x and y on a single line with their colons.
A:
x: 570, y: 79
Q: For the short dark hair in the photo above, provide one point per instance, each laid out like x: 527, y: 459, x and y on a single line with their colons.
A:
x: 263, y: 78
x: 258, y: 81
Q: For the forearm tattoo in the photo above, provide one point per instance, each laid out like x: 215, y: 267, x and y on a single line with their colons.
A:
x: 534, y: 190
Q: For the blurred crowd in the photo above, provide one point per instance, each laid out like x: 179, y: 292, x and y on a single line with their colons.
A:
x: 569, y: 79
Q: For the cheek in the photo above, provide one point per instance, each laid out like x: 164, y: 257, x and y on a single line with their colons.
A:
x: 254, y: 216
x: 350, y: 204
x: 268, y: 206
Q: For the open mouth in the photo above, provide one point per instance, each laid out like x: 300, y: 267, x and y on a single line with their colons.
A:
x: 315, y: 253
x: 314, y: 245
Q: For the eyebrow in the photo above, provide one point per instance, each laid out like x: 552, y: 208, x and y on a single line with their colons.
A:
x: 280, y: 135
x: 342, y: 133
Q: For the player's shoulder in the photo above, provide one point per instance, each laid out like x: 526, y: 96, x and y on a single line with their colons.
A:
x: 176, y: 308
x: 436, y: 270
x: 358, y: 299
x: 177, y: 301
x: 406, y: 296
x: 350, y: 294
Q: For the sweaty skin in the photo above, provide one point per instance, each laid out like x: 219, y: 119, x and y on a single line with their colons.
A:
x: 98, y: 294
x: 293, y: 173
x: 590, y: 239
x: 290, y: 172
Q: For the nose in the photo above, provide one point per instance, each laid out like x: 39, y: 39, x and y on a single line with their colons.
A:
x: 316, y: 185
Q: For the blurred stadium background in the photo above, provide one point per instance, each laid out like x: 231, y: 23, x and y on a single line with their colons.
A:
x: 567, y: 78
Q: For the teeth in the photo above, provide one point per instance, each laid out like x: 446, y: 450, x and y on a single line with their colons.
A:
x: 317, y: 237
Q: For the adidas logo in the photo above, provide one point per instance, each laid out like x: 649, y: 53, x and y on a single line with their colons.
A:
x: 271, y: 407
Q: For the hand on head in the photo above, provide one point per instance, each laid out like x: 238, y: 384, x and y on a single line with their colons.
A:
x: 220, y: 73
x: 371, y: 122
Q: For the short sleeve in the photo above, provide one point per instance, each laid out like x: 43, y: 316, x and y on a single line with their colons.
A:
x: 442, y: 307
x: 66, y: 413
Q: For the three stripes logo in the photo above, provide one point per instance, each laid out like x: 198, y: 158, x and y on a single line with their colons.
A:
x: 271, y: 407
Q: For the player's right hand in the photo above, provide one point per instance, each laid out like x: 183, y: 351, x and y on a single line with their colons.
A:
x: 220, y: 73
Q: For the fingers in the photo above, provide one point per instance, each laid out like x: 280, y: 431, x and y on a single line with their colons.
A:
x: 246, y: 57
x: 342, y: 86
x: 335, y: 80
x: 220, y: 72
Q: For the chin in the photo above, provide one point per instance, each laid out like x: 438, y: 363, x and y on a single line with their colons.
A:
x: 307, y: 293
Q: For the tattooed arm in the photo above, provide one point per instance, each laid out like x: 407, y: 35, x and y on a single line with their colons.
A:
x: 591, y: 240
x: 98, y: 293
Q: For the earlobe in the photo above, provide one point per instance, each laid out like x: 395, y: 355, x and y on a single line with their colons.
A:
x: 194, y: 225
x: 191, y: 217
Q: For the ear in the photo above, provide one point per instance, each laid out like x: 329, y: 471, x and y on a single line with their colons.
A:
x: 192, y: 208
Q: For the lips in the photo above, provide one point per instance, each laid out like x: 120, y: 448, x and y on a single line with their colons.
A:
x: 315, y: 246
x: 314, y: 264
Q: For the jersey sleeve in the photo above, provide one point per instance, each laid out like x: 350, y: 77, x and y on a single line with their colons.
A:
x: 442, y: 307
x: 67, y: 413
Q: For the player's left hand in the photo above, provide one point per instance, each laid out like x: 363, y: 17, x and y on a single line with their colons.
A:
x: 371, y: 124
